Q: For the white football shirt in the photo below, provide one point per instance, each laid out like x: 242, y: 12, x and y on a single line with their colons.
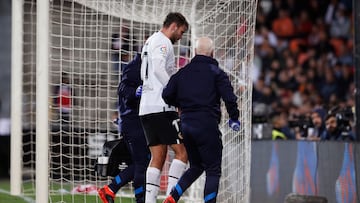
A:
x: 158, y: 64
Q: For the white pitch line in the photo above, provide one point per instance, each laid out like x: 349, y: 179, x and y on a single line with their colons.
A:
x: 26, y: 199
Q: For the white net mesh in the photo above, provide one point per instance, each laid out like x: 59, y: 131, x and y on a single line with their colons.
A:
x: 90, y: 41
x: 29, y: 95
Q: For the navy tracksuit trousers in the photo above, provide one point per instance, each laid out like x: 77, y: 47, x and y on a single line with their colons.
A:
x: 135, y: 139
x: 202, y: 139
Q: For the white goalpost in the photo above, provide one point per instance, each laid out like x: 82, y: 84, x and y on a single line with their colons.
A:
x: 72, y: 52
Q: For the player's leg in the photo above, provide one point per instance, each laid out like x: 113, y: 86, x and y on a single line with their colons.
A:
x: 158, y: 156
x: 152, y: 126
x: 159, y: 132
x: 178, y: 166
x: 179, y: 163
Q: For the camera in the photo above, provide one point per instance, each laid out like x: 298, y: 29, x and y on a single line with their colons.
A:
x: 303, y: 123
x: 261, y: 129
x: 260, y: 113
x: 343, y: 118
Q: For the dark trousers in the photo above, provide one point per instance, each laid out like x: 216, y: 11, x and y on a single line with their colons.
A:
x: 202, y: 139
x: 140, y: 154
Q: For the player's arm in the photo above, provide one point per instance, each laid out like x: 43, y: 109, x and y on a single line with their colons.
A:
x: 158, y: 59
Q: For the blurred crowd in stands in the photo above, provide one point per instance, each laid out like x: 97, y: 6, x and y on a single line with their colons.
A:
x: 303, y: 72
x: 304, y: 66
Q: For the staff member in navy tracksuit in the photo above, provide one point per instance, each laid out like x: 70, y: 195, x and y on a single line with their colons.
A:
x: 130, y: 127
x: 196, y: 90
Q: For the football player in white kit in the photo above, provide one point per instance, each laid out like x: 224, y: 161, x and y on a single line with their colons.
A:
x: 159, y: 119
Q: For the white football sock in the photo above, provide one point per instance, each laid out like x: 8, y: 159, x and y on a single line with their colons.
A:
x: 152, y: 184
x: 176, y: 170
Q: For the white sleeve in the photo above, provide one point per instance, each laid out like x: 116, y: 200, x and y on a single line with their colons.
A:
x: 159, y: 63
x: 159, y: 70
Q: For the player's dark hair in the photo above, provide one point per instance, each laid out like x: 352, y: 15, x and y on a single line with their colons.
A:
x: 177, y: 18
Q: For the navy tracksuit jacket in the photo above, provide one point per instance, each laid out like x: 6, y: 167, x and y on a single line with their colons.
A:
x: 128, y: 102
x: 131, y: 128
x: 196, y: 90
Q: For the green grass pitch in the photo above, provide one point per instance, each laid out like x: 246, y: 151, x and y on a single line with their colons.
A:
x: 5, y: 196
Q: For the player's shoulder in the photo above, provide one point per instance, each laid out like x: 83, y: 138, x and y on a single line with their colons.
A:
x: 159, y: 44
x: 160, y: 39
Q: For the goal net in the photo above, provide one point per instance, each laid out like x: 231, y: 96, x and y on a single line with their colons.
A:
x: 89, y: 42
